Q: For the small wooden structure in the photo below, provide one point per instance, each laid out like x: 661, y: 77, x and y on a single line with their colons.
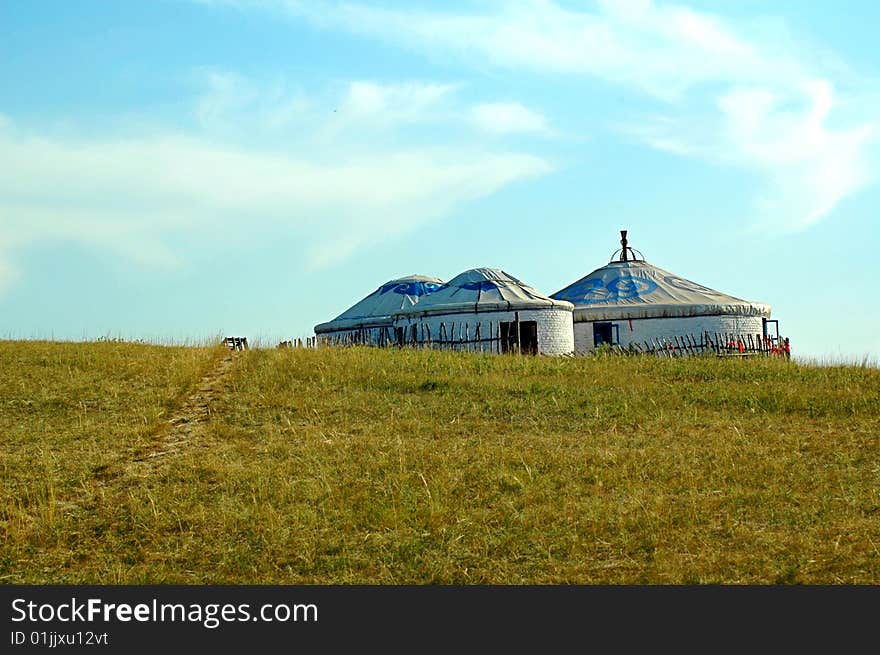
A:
x: 236, y: 343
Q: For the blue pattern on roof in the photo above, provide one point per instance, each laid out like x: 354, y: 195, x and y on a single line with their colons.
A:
x: 482, y: 285
x: 414, y: 288
x: 595, y: 291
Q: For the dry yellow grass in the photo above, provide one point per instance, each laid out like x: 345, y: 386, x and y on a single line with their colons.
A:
x: 367, y: 466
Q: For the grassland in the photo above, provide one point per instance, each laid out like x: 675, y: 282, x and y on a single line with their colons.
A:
x: 366, y: 466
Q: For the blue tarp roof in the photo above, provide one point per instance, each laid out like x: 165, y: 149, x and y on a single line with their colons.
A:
x: 637, y: 289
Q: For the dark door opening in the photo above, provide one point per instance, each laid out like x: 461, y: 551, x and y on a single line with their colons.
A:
x: 606, y: 333
x: 528, y: 337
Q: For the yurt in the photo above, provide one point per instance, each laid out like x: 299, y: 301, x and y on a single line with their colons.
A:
x: 370, y: 320
x: 486, y: 309
x: 630, y: 301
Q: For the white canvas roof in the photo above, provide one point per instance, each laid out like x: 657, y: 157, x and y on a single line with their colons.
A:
x: 377, y: 308
x: 637, y: 289
x: 483, y: 290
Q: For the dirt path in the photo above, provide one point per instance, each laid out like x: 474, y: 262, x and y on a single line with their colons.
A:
x: 180, y: 432
x: 187, y: 422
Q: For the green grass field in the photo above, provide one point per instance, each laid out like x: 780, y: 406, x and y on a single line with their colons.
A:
x: 366, y: 466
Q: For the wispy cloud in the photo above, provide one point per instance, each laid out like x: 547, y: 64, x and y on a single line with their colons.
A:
x: 394, y: 104
x: 229, y: 102
x: 228, y: 99
x: 265, y: 153
x: 663, y: 49
x: 508, y: 118
x: 738, y: 93
x: 809, y: 166
x: 785, y: 136
x: 132, y: 195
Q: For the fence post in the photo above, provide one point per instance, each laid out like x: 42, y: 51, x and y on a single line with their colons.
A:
x: 518, y: 345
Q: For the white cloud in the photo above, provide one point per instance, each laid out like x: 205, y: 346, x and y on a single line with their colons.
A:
x: 773, y: 113
x: 807, y: 167
x: 325, y: 164
x: 230, y: 102
x: 391, y: 104
x: 351, y: 113
x: 131, y: 195
x: 663, y: 49
x: 507, y: 118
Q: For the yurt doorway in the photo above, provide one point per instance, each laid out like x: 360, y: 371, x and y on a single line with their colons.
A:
x: 606, y: 333
x: 528, y: 337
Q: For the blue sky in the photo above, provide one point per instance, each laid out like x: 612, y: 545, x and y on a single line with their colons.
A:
x: 177, y: 169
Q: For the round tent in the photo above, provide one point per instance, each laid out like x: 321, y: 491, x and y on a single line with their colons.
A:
x: 632, y: 301
x: 370, y: 320
x: 488, y: 309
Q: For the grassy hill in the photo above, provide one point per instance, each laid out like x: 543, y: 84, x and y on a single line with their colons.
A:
x: 366, y: 466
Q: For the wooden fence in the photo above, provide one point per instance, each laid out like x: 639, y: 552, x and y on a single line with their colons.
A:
x: 308, y: 342
x: 464, y: 336
x: 453, y: 336
x: 717, y: 343
x: 236, y: 343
